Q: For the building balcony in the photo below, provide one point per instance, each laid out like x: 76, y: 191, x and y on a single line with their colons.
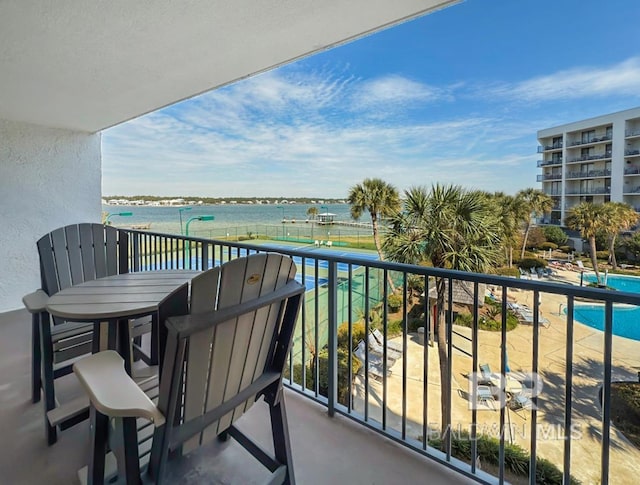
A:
x: 632, y: 134
x: 632, y: 153
x: 593, y: 191
x: 588, y: 158
x: 373, y: 428
x: 547, y: 148
x: 545, y: 163
x: 632, y: 171
x: 589, y: 174
x: 549, y: 176
x: 591, y: 141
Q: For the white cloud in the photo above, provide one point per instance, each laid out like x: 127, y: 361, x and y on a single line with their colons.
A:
x: 622, y: 79
x: 395, y: 91
x: 294, y: 134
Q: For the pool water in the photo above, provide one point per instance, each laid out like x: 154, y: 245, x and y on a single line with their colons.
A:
x: 626, y: 318
x: 619, y: 282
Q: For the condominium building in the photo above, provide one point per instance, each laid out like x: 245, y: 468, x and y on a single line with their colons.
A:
x: 595, y: 160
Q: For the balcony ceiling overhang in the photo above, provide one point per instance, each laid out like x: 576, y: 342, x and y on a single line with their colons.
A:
x: 87, y: 65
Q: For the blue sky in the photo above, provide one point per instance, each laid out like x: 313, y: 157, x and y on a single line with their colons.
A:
x: 453, y: 97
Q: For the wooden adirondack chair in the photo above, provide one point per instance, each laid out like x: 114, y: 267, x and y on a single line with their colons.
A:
x: 68, y: 256
x: 219, y: 360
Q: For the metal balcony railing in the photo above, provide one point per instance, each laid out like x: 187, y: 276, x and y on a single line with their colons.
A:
x: 632, y: 170
x: 592, y: 140
x: 592, y: 191
x: 544, y: 163
x: 584, y: 158
x: 631, y: 153
x: 549, y: 176
x: 394, y: 392
x: 631, y: 133
x: 554, y: 146
x: 589, y: 174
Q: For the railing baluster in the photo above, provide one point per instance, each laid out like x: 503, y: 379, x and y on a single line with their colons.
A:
x: 303, y: 338
x: 316, y: 350
x: 350, y: 336
x: 404, y: 353
x: 474, y: 367
x: 606, y: 393
x: 332, y: 337
x: 568, y: 392
x: 385, y: 331
x: 449, y: 327
x: 425, y: 366
x: 366, y: 346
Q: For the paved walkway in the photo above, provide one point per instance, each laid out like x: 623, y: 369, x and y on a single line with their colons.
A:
x: 587, y: 368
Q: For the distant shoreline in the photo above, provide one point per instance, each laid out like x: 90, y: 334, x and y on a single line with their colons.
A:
x: 156, y: 201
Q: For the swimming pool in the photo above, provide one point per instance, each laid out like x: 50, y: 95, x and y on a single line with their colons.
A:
x: 619, y: 282
x: 626, y: 318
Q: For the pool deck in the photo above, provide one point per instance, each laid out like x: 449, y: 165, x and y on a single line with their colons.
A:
x: 587, y: 365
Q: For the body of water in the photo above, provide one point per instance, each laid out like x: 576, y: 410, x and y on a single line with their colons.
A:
x: 626, y: 318
x: 237, y: 220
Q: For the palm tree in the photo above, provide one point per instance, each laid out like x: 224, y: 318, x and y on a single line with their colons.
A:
x: 377, y: 197
x: 536, y: 204
x: 511, y: 211
x: 312, y: 211
x: 452, y: 228
x: 620, y: 217
x: 589, y: 219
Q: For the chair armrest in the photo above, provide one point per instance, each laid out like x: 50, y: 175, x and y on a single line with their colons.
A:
x: 112, y: 391
x: 35, y: 302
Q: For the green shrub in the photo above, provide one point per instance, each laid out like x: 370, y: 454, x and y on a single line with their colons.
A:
x: 548, y: 245
x: 394, y: 328
x: 505, y: 271
x: 323, y: 378
x: 604, y: 255
x: 464, y: 320
x: 486, y: 323
x: 528, y: 263
x: 357, y: 334
x: 565, y: 249
x: 516, y: 458
x: 394, y: 302
x: 555, y: 235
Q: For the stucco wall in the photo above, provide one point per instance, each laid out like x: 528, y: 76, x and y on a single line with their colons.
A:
x: 48, y: 178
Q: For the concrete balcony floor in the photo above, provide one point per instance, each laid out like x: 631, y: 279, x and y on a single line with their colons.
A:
x: 325, y: 450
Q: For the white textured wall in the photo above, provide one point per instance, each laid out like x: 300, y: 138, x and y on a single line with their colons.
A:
x: 48, y: 178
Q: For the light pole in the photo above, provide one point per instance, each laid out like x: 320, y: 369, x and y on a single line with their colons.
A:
x: 282, y: 208
x: 186, y: 233
x: 121, y: 214
x: 180, y: 210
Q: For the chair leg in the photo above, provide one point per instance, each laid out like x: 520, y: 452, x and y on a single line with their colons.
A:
x: 155, y: 340
x: 281, y: 441
x: 48, y: 389
x: 99, y: 437
x: 36, y: 358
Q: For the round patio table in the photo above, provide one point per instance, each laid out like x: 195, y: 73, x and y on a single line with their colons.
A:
x: 117, y: 299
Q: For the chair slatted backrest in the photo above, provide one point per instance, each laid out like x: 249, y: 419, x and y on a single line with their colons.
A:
x: 81, y: 252
x: 218, y: 361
